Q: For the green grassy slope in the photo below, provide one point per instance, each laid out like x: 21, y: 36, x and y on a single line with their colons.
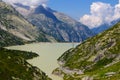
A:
x: 97, y: 57
x: 13, y: 66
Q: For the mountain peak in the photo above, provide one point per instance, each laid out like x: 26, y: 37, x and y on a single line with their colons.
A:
x: 55, y: 24
x: 44, y: 5
x: 42, y: 9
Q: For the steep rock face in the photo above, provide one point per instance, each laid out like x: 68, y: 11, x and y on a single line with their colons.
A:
x: 56, y: 24
x: 82, y: 31
x: 96, y: 58
x: 12, y: 22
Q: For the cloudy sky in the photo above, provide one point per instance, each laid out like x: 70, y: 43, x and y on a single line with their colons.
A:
x: 31, y: 3
x: 90, y: 12
x: 101, y: 13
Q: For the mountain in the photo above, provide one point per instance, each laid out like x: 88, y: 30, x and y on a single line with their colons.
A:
x: 15, y: 30
x: 97, y: 58
x: 56, y: 24
x: 11, y: 22
x: 83, y: 32
x: 104, y: 27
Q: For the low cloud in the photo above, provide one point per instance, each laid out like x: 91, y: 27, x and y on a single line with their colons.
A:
x: 101, y: 13
x: 116, y: 12
x: 31, y: 3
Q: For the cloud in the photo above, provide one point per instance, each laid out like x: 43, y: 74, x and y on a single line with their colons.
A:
x: 31, y: 3
x: 101, y: 13
x: 116, y: 12
x: 91, y: 20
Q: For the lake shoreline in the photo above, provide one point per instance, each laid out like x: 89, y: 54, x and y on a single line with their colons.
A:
x: 48, y: 55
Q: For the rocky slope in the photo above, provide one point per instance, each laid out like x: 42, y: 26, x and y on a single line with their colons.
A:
x: 96, y: 58
x: 83, y: 32
x: 15, y: 30
x: 14, y: 23
x: 53, y: 23
x: 15, y: 67
x: 7, y: 39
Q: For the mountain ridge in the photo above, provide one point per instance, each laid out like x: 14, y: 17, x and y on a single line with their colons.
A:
x: 14, y: 65
x: 14, y: 23
x: 46, y: 20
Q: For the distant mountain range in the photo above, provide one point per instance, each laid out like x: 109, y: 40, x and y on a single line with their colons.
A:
x: 97, y: 58
x: 104, y: 27
x: 55, y: 24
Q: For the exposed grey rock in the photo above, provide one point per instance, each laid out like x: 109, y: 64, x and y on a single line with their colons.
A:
x: 57, y: 25
x: 87, y: 78
x: 110, y: 74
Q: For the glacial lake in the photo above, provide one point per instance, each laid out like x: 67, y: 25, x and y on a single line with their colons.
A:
x: 48, y: 55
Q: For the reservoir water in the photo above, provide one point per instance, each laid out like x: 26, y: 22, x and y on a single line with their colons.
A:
x: 48, y: 55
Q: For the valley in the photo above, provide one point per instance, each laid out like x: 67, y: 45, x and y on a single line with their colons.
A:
x: 40, y: 43
x: 48, y: 54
